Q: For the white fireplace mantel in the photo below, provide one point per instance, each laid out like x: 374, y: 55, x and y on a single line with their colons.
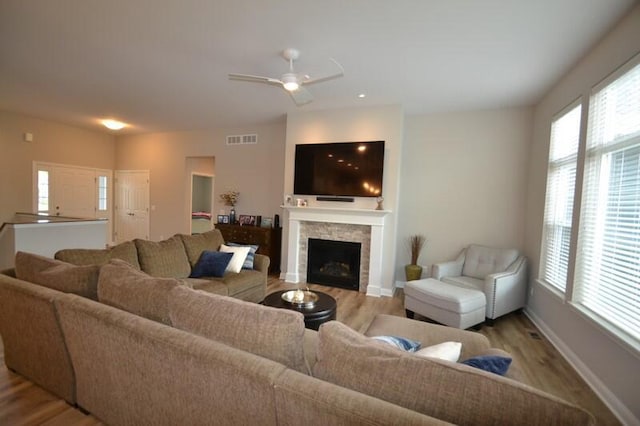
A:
x: 373, y: 218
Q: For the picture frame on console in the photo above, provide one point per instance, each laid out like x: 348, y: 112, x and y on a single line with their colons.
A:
x: 223, y: 218
x: 267, y: 222
x: 247, y: 220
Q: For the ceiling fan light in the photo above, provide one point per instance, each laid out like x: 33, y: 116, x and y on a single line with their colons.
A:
x: 291, y: 86
x: 290, y: 82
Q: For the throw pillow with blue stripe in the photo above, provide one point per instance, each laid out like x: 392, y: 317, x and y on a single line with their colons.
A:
x: 248, y: 262
x: 400, y: 342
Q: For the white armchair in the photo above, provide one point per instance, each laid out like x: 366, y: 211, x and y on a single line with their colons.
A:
x: 500, y: 273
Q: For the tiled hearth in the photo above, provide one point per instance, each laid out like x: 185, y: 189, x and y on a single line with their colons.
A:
x: 354, y: 225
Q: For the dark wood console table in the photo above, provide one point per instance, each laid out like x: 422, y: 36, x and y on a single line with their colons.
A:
x: 269, y: 240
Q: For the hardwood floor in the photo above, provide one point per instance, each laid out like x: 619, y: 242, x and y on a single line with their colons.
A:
x: 540, y: 365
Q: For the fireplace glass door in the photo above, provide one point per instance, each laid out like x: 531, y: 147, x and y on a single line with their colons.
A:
x: 334, y: 263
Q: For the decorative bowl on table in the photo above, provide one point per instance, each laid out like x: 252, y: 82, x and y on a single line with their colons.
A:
x: 300, y: 298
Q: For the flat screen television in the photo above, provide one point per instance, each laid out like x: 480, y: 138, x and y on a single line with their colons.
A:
x: 350, y: 169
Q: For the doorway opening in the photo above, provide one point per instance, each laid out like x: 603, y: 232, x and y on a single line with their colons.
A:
x: 201, y: 182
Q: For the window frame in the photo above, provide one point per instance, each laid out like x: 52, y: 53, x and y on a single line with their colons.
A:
x: 555, y: 165
x: 585, y: 153
x: 603, y: 154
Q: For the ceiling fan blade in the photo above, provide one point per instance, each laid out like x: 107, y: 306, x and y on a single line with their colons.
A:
x: 301, y: 96
x: 329, y: 77
x: 254, y: 78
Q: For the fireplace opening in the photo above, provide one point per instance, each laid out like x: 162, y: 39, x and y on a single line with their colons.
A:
x: 334, y: 263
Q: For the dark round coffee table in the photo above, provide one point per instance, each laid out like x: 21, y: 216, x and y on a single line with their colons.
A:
x: 322, y: 311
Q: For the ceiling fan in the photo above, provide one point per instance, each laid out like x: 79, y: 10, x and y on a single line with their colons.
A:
x: 291, y: 81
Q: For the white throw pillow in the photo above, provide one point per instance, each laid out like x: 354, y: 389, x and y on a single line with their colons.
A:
x: 239, y: 256
x: 449, y: 351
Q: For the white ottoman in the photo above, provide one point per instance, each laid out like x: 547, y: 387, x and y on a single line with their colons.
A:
x: 445, y: 303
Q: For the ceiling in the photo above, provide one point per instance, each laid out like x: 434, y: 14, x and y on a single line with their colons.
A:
x: 162, y: 65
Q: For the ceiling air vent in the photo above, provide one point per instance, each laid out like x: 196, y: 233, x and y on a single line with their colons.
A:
x: 242, y: 139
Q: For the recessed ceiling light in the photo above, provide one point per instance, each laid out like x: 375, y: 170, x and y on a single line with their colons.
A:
x: 113, y: 124
x: 361, y: 95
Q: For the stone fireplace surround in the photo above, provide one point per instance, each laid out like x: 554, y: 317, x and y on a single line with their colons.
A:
x: 339, y: 224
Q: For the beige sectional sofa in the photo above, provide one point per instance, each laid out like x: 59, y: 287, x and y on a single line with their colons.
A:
x: 152, y: 350
x: 175, y: 258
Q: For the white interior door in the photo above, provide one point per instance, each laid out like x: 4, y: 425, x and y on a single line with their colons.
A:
x: 132, y: 205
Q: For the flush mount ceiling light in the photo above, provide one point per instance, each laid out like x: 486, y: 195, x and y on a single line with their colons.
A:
x: 113, y: 124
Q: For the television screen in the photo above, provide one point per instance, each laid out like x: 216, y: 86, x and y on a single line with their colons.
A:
x: 352, y: 169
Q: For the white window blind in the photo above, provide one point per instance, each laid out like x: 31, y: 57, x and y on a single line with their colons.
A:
x: 561, y: 178
x: 607, y: 283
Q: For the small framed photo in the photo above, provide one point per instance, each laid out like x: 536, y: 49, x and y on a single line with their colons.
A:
x: 247, y: 220
x: 266, y: 222
x: 220, y: 218
x: 225, y: 218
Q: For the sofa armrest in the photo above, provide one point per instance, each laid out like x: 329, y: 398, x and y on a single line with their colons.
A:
x: 452, y: 268
x: 9, y: 272
x: 261, y: 263
x: 428, y: 334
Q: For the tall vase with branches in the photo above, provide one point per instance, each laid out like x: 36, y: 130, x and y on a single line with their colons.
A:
x: 413, y: 271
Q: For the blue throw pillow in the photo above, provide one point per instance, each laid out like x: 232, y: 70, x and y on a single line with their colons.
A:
x: 491, y: 363
x: 248, y: 262
x: 400, y: 342
x: 211, y: 264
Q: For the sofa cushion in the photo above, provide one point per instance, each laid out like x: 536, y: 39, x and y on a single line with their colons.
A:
x: 399, y: 342
x: 448, y: 391
x: 58, y: 275
x: 449, y: 351
x: 277, y: 334
x: 194, y: 245
x: 480, y: 261
x: 125, y: 251
x: 209, y: 284
x: 163, y: 258
x: 211, y: 264
x: 491, y: 363
x: 253, y: 248
x: 124, y: 287
x: 243, y: 281
x: 240, y: 254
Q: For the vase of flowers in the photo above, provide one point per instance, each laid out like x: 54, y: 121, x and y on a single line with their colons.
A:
x: 230, y: 198
x: 413, y: 271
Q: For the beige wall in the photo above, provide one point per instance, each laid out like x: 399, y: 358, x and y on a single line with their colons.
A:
x: 256, y: 171
x: 602, y: 360
x: 345, y: 125
x: 463, y: 181
x: 52, y: 142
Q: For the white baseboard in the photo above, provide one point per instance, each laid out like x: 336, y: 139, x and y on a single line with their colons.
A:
x: 386, y: 292
x: 373, y: 291
x: 610, y: 400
